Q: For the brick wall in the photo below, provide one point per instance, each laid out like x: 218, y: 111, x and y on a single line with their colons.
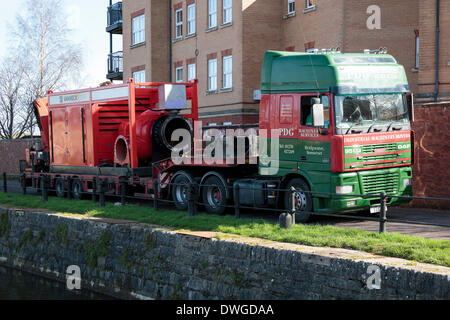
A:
x: 427, y: 66
x: 11, y: 151
x: 432, y: 151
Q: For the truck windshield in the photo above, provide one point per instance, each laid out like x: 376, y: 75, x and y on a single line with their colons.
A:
x: 371, y: 113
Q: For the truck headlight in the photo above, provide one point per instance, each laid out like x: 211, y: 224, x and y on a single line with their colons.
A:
x: 344, y: 189
x: 406, y: 182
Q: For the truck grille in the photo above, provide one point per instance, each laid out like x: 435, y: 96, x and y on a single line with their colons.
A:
x: 376, y: 183
x: 371, y: 148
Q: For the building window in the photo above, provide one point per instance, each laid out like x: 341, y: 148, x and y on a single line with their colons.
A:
x: 138, y: 29
x: 191, y: 19
x: 139, y: 76
x: 191, y: 69
x: 291, y: 6
x: 179, y: 74
x: 309, y: 4
x: 227, y: 72
x: 212, y: 13
x: 212, y: 74
x: 178, y: 23
x: 227, y: 11
x: 417, y: 50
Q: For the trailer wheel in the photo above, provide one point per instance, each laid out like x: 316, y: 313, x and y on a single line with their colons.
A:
x: 59, y: 187
x: 179, y: 192
x: 77, y: 189
x: 214, y: 195
x: 303, y: 200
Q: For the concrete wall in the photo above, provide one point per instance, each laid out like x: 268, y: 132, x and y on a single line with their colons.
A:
x: 137, y: 260
x: 11, y: 151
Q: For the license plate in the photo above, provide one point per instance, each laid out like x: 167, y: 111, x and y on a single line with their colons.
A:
x: 375, y: 209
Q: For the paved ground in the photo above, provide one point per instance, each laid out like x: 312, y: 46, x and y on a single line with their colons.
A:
x: 411, y: 214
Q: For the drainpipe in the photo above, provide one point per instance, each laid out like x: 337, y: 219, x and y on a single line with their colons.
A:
x: 111, y: 63
x: 170, y: 40
x: 436, y: 90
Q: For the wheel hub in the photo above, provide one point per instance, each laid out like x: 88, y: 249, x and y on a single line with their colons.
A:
x: 300, y: 201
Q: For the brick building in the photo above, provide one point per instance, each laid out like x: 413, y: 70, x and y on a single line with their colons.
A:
x: 432, y: 112
x: 222, y: 42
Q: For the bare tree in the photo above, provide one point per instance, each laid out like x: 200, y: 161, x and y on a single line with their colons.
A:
x: 45, y: 56
x: 11, y: 108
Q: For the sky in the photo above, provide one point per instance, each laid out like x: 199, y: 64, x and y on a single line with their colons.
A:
x: 88, y: 20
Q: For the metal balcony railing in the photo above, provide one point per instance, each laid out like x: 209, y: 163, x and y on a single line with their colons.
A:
x: 115, y: 66
x: 115, y: 18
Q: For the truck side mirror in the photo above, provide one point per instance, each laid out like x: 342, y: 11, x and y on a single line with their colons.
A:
x: 410, y: 103
x: 318, y: 115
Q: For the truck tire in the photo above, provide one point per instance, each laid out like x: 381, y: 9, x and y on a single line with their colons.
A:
x: 179, y: 192
x: 214, y: 195
x: 77, y: 189
x: 304, y: 200
x: 60, y: 188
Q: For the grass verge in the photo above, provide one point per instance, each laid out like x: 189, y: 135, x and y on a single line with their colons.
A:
x: 388, y: 244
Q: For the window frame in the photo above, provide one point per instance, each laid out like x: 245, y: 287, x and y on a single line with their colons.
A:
x: 137, y: 34
x: 191, y: 19
x: 189, y: 71
x: 229, y: 74
x: 224, y: 10
x: 177, y: 69
x: 417, y: 53
x: 140, y: 73
x: 179, y: 24
x: 212, y: 13
x: 291, y: 2
x: 309, y: 4
x: 212, y: 76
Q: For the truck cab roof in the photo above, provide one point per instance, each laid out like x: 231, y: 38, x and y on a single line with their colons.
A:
x: 339, y: 73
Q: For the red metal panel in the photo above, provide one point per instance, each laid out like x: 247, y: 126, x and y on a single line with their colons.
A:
x: 59, y: 136
x: 74, y: 136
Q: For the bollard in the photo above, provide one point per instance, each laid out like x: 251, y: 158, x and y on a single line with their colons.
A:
x: 5, y: 184
x: 24, y: 184
x: 237, y: 212
x: 123, y: 188
x: 383, y: 210
x: 94, y: 190
x: 293, y: 204
x: 44, y: 190
x: 101, y: 186
x: 155, y: 194
x: 285, y: 220
x: 191, y: 197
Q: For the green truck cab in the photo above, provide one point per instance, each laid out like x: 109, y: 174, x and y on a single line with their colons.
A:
x: 334, y: 123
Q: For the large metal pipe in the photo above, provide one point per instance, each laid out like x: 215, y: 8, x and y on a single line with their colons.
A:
x: 436, y: 89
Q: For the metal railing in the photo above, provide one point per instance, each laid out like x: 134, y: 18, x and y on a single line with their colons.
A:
x: 114, y: 14
x: 100, y: 191
x: 115, y: 62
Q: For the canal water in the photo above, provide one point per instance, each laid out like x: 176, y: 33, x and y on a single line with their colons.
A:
x: 17, y: 285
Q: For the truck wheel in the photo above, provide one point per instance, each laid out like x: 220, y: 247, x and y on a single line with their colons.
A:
x: 179, y: 192
x: 214, y: 195
x: 303, y: 199
x: 77, y: 189
x: 59, y: 187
